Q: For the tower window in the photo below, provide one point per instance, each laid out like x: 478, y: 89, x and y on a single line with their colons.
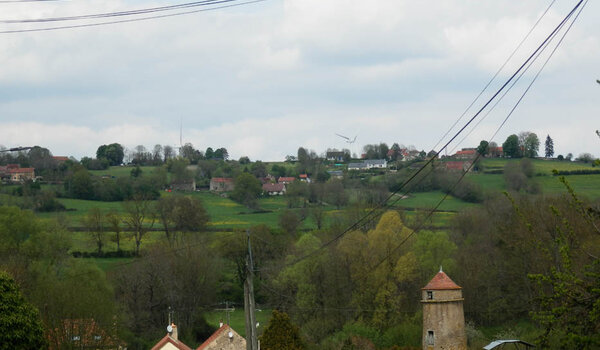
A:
x: 429, y: 339
x: 429, y: 295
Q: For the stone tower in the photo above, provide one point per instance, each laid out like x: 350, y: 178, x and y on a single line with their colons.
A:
x: 443, y: 315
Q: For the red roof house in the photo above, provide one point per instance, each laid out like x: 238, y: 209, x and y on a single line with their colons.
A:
x: 286, y: 180
x: 224, y: 338
x: 441, y: 281
x: 171, y: 341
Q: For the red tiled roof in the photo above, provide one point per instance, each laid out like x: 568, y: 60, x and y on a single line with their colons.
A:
x: 167, y: 339
x: 467, y: 152
x: 441, y: 281
x: 303, y: 176
x: 454, y: 165
x: 21, y: 170
x: 286, y: 179
x: 214, y: 336
x: 221, y: 179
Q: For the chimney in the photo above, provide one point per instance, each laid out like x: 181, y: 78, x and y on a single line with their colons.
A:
x: 174, y: 331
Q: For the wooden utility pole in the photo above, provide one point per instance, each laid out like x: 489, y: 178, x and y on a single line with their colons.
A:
x: 249, y: 305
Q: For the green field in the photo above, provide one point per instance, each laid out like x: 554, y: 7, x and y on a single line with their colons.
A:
x: 121, y: 171
x: 428, y: 200
x: 542, y: 166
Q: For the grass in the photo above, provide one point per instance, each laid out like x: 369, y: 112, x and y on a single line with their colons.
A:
x: 428, y: 200
x: 237, y: 319
x: 121, y: 171
x: 542, y: 166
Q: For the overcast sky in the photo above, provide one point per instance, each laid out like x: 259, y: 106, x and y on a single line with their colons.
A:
x: 266, y: 78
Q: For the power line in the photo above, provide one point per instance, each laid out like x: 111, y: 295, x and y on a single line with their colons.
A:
x: 129, y: 20
x: 496, y: 74
x: 373, y: 213
x: 119, y: 13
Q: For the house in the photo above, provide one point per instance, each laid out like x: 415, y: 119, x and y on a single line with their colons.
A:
x: 335, y: 156
x: 221, y: 184
x: 495, y: 152
x: 274, y: 189
x: 171, y: 341
x: 267, y: 179
x: 458, y: 165
x: 466, y: 153
x: 375, y: 163
x: 357, y: 166
x: 304, y: 178
x: 224, y: 338
x: 20, y: 175
x: 286, y: 180
x: 184, y: 185
x: 60, y: 159
x: 83, y: 333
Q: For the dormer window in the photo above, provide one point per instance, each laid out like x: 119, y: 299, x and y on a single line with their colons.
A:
x: 429, y: 295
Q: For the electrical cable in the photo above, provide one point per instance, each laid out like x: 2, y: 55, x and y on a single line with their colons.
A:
x: 117, y: 14
x: 129, y: 20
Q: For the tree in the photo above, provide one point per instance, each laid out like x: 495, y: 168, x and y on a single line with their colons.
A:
x: 289, y: 222
x: 157, y: 154
x: 585, y: 157
x: 529, y: 144
x: 113, y: 219
x: 94, y: 223
x: 137, y: 210
x: 114, y: 153
x: 511, y: 148
x: 247, y: 190
x: 483, y: 148
x: 168, y: 153
x: 549, y: 147
x: 20, y: 324
x: 281, y: 334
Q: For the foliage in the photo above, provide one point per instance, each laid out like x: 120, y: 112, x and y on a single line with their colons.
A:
x: 281, y: 334
x: 247, y: 190
x: 483, y: 148
x: 113, y: 153
x: 20, y: 325
x: 511, y: 147
x: 529, y: 144
x: 549, y: 147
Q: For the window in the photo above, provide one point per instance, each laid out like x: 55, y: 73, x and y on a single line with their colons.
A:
x: 429, y: 339
x: 76, y: 338
x: 429, y: 295
x: 97, y: 337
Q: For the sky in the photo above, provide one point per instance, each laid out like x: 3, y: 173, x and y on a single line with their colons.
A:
x: 265, y: 78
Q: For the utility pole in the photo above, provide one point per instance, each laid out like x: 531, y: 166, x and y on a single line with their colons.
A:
x: 249, y: 305
x: 228, y: 310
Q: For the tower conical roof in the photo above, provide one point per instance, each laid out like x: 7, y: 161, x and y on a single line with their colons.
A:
x: 441, y: 281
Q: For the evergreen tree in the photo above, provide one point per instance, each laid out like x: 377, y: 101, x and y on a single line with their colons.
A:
x: 549, y: 147
x: 20, y: 325
x: 281, y: 334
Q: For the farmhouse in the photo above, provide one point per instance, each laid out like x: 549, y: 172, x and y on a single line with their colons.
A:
x: 465, y: 153
x: 221, y: 184
x: 335, y: 156
x: 458, y: 165
x: 274, y: 189
x: 286, y: 180
x: 171, y: 341
x: 368, y: 164
x: 20, y: 175
x: 224, y: 338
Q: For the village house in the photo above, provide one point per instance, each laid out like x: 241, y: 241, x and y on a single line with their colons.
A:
x: 335, y: 156
x: 21, y: 175
x: 171, y: 341
x: 368, y: 164
x: 84, y: 333
x: 466, y: 153
x: 458, y: 165
x: 286, y: 180
x: 221, y: 184
x: 274, y: 189
x: 336, y: 174
x: 357, y: 166
x: 304, y: 178
x: 224, y: 338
